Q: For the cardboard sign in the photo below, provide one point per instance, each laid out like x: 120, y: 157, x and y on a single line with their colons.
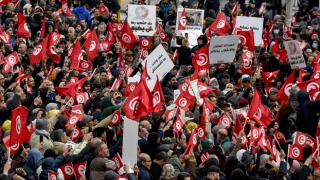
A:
x: 247, y: 23
x: 223, y: 49
x: 194, y: 20
x: 294, y: 54
x: 142, y: 19
x: 158, y: 63
x: 130, y: 142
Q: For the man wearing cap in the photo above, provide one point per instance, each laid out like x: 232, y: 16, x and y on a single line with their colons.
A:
x: 213, y: 173
x: 252, y: 11
x: 309, y: 31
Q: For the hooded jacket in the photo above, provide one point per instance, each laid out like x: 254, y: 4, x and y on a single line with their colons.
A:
x: 307, y: 113
x: 32, y: 164
x: 82, y: 13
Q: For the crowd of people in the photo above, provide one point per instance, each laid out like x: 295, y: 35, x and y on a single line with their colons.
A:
x: 64, y: 99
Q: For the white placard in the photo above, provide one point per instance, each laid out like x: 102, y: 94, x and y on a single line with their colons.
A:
x: 255, y: 23
x: 194, y: 20
x: 195, y: 89
x: 158, y: 63
x: 130, y: 142
x: 142, y: 19
x: 294, y: 54
x: 223, y: 49
x: 133, y: 79
x: 176, y: 93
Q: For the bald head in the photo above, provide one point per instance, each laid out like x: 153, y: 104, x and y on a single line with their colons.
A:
x: 145, y: 160
x: 146, y: 124
x: 22, y: 48
x: 222, y: 134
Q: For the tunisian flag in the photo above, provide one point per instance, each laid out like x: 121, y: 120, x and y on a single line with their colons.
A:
x: 221, y: 25
x: 92, y: 45
x: 76, y: 54
x: 158, y: 98
x: 18, y: 124
x: 201, y: 59
x: 40, y: 52
x: 127, y: 37
x: 246, y: 39
x: 50, y: 49
x: 258, y: 112
x: 80, y: 169
x: 269, y: 76
x: 246, y: 67
x: 295, y: 152
x: 278, y: 53
x: 23, y: 30
x: 310, y: 85
x: 283, y: 94
x: 183, y: 20
x: 111, y: 38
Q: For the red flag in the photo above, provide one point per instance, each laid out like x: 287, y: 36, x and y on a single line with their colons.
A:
x: 18, y: 124
x: 127, y: 37
x: 175, y: 55
x: 316, y: 60
x: 129, y: 88
x: 225, y: 121
x: 258, y: 112
x: 145, y: 43
x: 237, y: 129
x: 86, y: 34
x: 158, y: 97
x: 201, y: 58
x: 295, y: 152
x: 144, y: 53
x: 314, y: 95
x: 246, y: 39
x: 7, y: 68
x: 39, y: 53
x: 116, y: 118
x: 299, y: 139
x: 246, y: 67
x: 183, y: 20
x: 74, y: 118
x: 82, y: 97
x: 316, y: 72
x: 178, y: 125
x: 65, y: 9
x: 5, y: 37
x: 23, y: 30
x: 163, y: 36
x: 43, y: 27
x: 221, y: 25
x: 275, y: 152
x: 52, y: 175
x: 310, y: 85
x: 76, y: 55
x: 116, y: 84
x: 209, y: 106
x: 76, y: 134
x: 129, y: 71
x: 92, y: 45
x: 138, y: 102
x: 261, y: 9
x: 80, y: 169
x: 269, y: 76
x: 50, y: 49
x: 193, y: 141
x: 120, y: 63
x: 280, y: 137
x: 182, y: 102
x: 283, y: 94
x: 117, y: 26
x: 202, y: 133
x: 103, y: 9
x: 279, y: 54
x: 12, y: 59
x: 254, y: 133
x: 55, y: 37
x: 235, y: 8
x: 287, y: 31
x: 21, y: 77
x: 264, y: 143
x: 67, y: 170
x: 111, y: 38
x: 118, y: 161
x: 170, y: 114
x: 105, y: 45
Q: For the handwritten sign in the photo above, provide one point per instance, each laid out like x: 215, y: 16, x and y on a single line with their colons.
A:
x: 223, y: 49
x: 247, y: 23
x: 158, y: 63
x: 194, y: 20
x: 142, y: 19
x: 294, y: 54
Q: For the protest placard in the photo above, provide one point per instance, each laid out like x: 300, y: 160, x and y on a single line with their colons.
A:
x: 142, y: 19
x: 130, y: 142
x: 247, y: 23
x: 158, y: 63
x: 194, y: 20
x: 222, y: 49
x: 294, y: 54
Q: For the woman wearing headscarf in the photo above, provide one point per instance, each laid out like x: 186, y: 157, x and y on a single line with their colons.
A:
x: 48, y: 166
x: 34, y: 160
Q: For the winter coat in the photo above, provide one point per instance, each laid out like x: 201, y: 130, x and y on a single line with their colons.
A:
x: 34, y: 156
x: 144, y: 173
x: 175, y: 162
x: 99, y: 165
x: 82, y: 13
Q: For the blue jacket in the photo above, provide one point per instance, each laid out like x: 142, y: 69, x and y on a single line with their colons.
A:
x: 144, y: 173
x: 82, y: 13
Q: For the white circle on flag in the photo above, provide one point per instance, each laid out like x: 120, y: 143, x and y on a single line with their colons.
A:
x: 68, y: 170
x: 126, y: 38
x: 18, y: 124
x: 183, y: 102
x: 133, y: 103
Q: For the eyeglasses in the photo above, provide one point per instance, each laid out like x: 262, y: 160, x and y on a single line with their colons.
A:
x: 148, y: 161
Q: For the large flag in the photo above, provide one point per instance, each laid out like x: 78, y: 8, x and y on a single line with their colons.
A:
x: 283, y: 94
x: 23, y: 30
x: 40, y: 52
x: 127, y: 37
x: 92, y: 45
x: 18, y: 124
x: 221, y: 25
x: 201, y: 59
